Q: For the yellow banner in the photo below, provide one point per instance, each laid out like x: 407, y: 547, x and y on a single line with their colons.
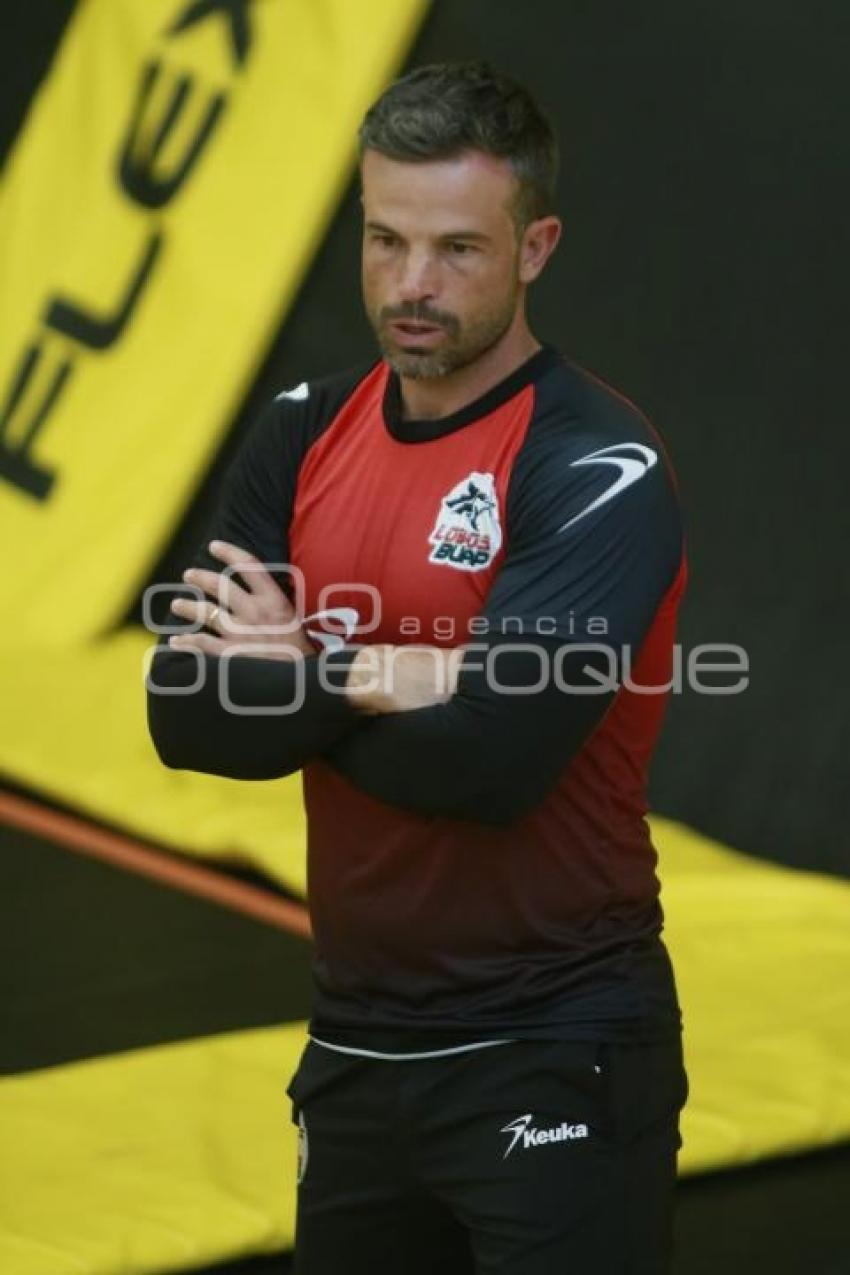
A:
x: 175, y: 174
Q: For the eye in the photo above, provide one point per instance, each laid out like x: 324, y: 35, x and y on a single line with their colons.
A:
x: 384, y: 238
x: 458, y: 248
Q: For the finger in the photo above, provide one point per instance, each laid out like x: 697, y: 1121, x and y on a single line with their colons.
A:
x: 203, y: 642
x: 209, y: 645
x: 189, y: 609
x: 223, y: 589
x: 255, y: 575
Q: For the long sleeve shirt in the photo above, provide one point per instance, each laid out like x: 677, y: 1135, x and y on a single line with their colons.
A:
x: 482, y: 867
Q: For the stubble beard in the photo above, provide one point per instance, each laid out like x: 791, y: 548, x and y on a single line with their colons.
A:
x: 463, y: 345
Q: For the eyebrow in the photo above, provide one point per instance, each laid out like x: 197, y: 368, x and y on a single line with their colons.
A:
x: 474, y: 235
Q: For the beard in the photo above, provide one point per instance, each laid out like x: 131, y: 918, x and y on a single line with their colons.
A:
x: 463, y: 342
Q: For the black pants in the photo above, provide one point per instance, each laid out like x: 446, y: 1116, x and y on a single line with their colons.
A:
x: 531, y: 1158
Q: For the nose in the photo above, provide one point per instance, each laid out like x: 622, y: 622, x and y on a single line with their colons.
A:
x: 418, y: 277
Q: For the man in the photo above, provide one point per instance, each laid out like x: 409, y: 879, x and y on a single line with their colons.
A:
x: 494, y: 1075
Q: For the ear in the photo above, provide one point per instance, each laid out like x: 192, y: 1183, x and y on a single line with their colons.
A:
x: 539, y: 240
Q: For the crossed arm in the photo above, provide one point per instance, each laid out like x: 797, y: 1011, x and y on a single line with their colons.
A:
x: 417, y: 727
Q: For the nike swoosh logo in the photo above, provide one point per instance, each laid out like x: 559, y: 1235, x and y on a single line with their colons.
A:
x: 300, y: 392
x: 631, y: 469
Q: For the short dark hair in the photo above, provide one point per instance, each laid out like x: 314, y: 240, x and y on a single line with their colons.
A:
x: 439, y: 111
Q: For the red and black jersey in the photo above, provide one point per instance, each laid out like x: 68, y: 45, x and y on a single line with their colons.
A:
x: 483, y: 867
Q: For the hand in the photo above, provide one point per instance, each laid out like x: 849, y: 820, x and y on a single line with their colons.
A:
x: 235, y: 609
x: 396, y: 679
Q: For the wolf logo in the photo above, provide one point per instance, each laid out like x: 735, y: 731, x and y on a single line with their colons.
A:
x: 473, y: 503
x: 467, y: 534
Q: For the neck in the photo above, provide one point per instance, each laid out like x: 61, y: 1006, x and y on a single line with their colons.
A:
x: 442, y: 395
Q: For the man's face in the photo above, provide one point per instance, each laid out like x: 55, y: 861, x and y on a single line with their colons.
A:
x: 440, y: 259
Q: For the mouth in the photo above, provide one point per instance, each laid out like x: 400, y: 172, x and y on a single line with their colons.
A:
x: 407, y: 330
